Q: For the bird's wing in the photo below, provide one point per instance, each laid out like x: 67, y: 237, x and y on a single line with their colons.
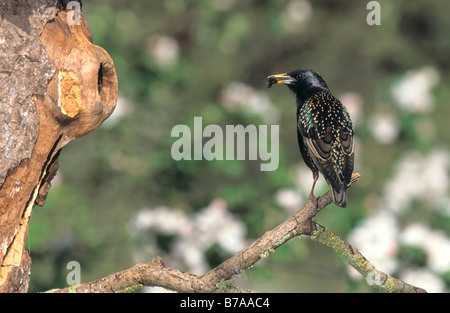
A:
x: 348, y: 149
x: 328, y: 135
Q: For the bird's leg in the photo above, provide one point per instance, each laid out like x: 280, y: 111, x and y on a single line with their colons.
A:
x: 311, y: 194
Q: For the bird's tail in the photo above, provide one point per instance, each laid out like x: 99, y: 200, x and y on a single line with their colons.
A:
x: 339, y: 197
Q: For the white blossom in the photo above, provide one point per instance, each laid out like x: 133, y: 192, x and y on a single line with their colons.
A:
x: 238, y: 95
x: 384, y: 128
x: 413, y: 92
x: 162, y: 219
x: 164, y: 49
x: 424, y: 279
x: 289, y: 199
x: 216, y: 224
x: 418, y: 177
x: 195, y: 234
x: 296, y: 14
x: 376, y: 239
x: 435, y: 243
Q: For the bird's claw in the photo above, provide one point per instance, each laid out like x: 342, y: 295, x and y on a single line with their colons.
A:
x: 314, y: 200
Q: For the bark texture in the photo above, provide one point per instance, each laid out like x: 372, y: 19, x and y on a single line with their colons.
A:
x: 55, y: 86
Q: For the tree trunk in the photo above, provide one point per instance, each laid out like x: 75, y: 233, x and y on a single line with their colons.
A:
x: 55, y: 86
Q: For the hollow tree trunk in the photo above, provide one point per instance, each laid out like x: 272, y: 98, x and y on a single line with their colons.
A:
x: 55, y: 86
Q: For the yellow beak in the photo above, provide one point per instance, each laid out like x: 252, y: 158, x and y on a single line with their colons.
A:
x: 279, y: 79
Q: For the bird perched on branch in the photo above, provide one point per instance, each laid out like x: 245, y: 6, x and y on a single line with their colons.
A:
x: 324, y: 130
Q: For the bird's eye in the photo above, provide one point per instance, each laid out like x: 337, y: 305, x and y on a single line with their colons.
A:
x: 299, y: 76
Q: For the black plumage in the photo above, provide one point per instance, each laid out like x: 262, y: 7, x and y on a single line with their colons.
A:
x: 324, y: 130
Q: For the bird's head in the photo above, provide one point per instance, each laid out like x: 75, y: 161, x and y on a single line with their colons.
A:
x: 303, y: 82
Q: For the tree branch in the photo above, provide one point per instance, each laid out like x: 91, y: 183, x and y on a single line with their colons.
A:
x: 355, y: 259
x: 219, y: 279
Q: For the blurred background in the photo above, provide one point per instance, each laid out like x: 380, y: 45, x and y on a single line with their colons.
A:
x: 119, y: 198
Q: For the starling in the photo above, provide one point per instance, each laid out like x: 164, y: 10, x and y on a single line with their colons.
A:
x: 324, y: 130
